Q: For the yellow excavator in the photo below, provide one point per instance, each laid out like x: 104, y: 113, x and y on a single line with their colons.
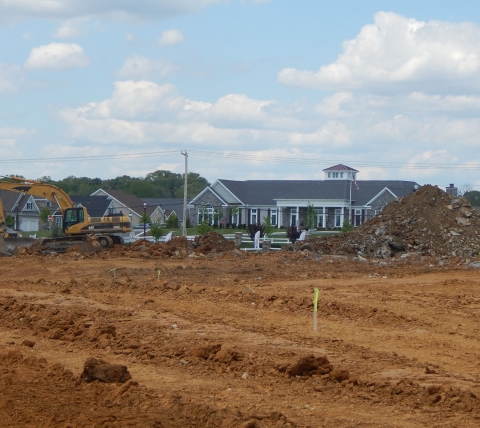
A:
x: 3, y: 230
x: 77, y: 225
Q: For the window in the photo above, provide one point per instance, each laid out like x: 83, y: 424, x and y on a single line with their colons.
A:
x: 357, y: 220
x: 273, y: 217
x: 253, y: 216
x: 319, y: 217
x: 329, y: 175
x: 49, y: 204
x: 341, y: 175
x: 206, y: 214
x: 293, y: 217
x: 29, y: 206
x: 58, y: 221
x: 338, y: 217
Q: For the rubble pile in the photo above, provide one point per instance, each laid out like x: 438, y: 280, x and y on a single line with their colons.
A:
x: 427, y: 222
x: 212, y: 242
x: 179, y: 246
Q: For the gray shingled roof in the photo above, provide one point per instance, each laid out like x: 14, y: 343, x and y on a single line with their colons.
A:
x: 266, y: 192
x: 9, y: 199
x: 96, y: 205
x: 167, y: 205
x: 339, y: 167
x: 130, y: 201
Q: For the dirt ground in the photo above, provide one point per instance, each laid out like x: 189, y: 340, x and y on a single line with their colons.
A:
x: 225, y: 339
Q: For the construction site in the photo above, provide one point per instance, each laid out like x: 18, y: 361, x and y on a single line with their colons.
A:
x: 202, y: 334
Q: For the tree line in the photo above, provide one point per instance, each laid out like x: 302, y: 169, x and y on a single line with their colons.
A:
x: 158, y: 184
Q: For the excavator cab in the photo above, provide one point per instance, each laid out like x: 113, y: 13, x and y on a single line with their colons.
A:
x: 72, y: 216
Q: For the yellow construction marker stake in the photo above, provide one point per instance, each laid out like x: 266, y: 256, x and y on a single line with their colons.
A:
x: 315, y: 307
x: 113, y: 270
x: 158, y: 276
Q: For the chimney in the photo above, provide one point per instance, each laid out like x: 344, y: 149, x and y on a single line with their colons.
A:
x: 451, y: 190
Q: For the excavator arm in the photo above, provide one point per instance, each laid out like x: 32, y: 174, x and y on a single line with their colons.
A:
x: 3, y: 219
x: 38, y: 188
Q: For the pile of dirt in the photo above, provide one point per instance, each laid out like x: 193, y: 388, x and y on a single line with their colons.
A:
x: 179, y: 246
x: 427, y: 222
x: 212, y: 242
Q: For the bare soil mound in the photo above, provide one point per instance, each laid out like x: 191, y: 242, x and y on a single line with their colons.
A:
x: 179, y: 246
x: 428, y: 222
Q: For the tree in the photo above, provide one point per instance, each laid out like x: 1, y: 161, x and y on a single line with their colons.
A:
x: 44, y: 213
x: 216, y: 217
x: 473, y: 196
x: 156, y: 230
x: 172, y: 221
x: 310, y: 217
x: 268, y: 227
x: 145, y: 218
x: 203, y: 228
x: 10, y: 220
x: 464, y: 188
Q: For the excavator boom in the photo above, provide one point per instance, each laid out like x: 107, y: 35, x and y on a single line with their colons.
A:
x: 38, y: 188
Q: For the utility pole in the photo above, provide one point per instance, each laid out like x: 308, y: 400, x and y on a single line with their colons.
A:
x: 184, y: 153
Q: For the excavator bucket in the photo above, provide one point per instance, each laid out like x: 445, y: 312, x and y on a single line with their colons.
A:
x: 3, y: 247
x: 8, y: 246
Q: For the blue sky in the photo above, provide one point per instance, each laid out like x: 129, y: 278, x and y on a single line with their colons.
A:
x: 251, y: 89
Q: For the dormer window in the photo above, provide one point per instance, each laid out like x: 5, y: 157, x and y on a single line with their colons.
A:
x: 29, y: 206
x: 49, y: 204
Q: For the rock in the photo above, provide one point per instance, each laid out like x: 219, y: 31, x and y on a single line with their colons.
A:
x: 462, y: 221
x: 339, y: 375
x: 309, y: 366
x: 361, y: 259
x: 245, y: 376
x: 206, y: 352
x: 29, y: 343
x: 308, y: 247
x: 104, y: 372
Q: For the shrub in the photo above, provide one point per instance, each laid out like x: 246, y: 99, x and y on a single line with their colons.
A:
x: 156, y: 230
x: 203, y: 228
x: 172, y: 222
x: 252, y: 229
x: 293, y: 233
x: 347, y: 226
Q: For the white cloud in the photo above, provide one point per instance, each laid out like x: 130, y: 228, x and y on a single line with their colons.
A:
x: 380, y: 128
x: 57, y: 57
x: 69, y: 29
x: 9, y: 136
x: 123, y: 10
x: 170, y: 38
x: 332, y: 106
x: 140, y: 67
x: 396, y: 53
x: 12, y: 78
x: 132, y: 101
x: 231, y: 110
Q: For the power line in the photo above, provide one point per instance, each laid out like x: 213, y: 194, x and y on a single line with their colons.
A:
x: 252, y: 157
